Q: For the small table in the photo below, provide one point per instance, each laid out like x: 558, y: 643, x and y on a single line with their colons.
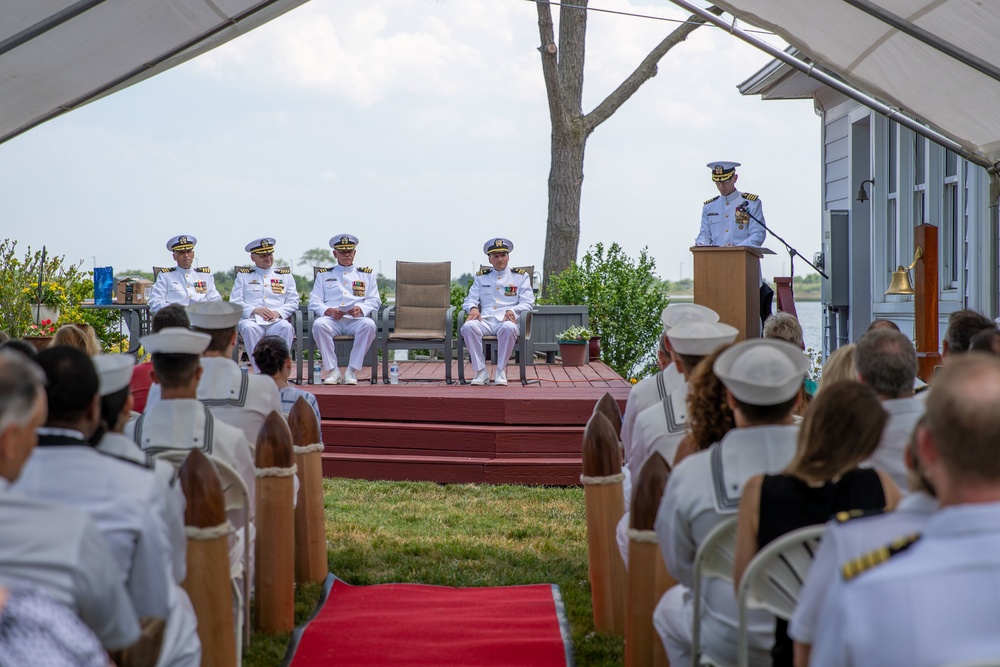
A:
x: 135, y: 317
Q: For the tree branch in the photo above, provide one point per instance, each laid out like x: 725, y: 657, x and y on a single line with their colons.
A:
x: 550, y: 70
x: 645, y: 71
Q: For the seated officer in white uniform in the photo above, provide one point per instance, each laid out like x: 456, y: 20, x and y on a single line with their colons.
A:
x: 661, y: 427
x: 268, y: 296
x: 933, y: 598
x: 497, y: 298
x: 183, y: 284
x: 234, y: 397
x: 54, y: 546
x: 181, y: 646
x: 342, y: 298
x: 656, y: 387
x: 763, y: 380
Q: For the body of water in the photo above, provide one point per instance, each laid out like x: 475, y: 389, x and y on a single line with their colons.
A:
x: 811, y: 319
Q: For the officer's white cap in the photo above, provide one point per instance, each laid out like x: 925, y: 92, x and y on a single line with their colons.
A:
x: 762, y: 371
x: 679, y: 313
x: 114, y: 372
x: 700, y: 338
x: 498, y: 244
x: 176, y: 340
x: 344, y: 242
x: 181, y: 242
x: 214, y: 314
x: 260, y: 246
x: 721, y: 170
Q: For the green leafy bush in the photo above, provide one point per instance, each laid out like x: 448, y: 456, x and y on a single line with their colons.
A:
x: 624, y: 299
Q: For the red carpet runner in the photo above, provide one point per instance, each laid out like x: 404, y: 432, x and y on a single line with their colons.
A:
x: 413, y: 624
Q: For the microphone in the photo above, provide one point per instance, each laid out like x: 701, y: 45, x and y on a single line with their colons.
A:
x: 745, y: 206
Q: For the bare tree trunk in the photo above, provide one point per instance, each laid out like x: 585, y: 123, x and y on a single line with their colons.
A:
x: 562, y: 69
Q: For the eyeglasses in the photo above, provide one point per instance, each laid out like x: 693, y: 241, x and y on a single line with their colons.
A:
x: 348, y: 252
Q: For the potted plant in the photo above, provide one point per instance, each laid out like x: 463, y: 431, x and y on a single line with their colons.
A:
x: 573, y: 344
x: 40, y: 335
x: 47, y: 298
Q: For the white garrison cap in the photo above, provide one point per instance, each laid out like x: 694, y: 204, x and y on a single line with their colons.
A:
x: 176, y: 340
x: 679, y: 313
x: 214, y: 314
x: 700, y: 338
x: 181, y: 242
x: 762, y: 371
x: 344, y: 242
x: 114, y: 372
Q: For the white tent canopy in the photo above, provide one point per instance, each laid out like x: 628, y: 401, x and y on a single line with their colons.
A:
x: 57, y: 55
x: 937, y: 60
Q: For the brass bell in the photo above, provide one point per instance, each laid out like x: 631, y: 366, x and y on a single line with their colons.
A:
x: 900, y: 282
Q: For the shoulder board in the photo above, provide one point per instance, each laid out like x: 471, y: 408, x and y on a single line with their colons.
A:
x: 709, y: 201
x: 844, y: 517
x: 520, y: 271
x: 283, y: 272
x: 365, y: 269
x: 244, y: 269
x: 203, y: 269
x: 483, y: 272
x: 170, y: 270
x: 322, y: 269
x: 853, y: 568
x: 750, y: 197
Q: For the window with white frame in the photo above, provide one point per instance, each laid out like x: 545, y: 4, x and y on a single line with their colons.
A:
x: 951, y: 223
x: 892, y: 208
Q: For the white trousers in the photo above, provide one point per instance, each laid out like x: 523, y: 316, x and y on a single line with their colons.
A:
x: 672, y: 619
x: 473, y: 332
x: 253, y: 332
x: 362, y: 328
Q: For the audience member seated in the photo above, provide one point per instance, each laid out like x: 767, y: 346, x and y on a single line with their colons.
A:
x: 18, y: 345
x: 784, y: 326
x: 173, y: 315
x: 962, y: 326
x: 709, y: 416
x: 882, y: 324
x: 841, y: 429
x: 763, y: 380
x: 987, y: 340
x: 932, y: 599
x: 849, y: 536
x: 273, y: 359
x: 80, y: 336
x: 56, y: 547
x: 887, y: 363
x: 839, y: 366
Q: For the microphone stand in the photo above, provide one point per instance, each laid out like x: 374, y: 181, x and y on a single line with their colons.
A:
x: 792, y: 252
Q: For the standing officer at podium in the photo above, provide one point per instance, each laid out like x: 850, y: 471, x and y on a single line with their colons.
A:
x: 728, y: 220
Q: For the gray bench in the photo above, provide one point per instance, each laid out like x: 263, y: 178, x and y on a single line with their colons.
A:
x: 549, y: 321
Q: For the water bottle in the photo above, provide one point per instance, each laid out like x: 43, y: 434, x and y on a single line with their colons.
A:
x: 394, y: 373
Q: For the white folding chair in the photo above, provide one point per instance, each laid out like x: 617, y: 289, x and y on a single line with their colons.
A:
x: 774, y: 577
x: 714, y: 558
x: 230, y: 479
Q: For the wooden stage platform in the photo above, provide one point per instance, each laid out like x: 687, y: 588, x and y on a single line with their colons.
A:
x: 432, y: 431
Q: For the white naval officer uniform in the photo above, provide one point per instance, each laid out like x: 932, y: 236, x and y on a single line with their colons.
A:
x: 273, y: 289
x: 934, y: 603
x: 183, y: 286
x: 904, y: 413
x: 494, y: 293
x: 344, y: 287
x: 59, y: 548
x: 705, y: 489
x: 722, y: 223
x: 845, y: 541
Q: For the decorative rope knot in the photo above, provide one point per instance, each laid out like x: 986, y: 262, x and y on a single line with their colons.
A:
x: 608, y: 479
x: 277, y: 472
x: 208, y: 533
x: 646, y: 536
x: 309, y: 449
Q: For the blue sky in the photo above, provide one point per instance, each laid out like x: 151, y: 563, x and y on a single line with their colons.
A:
x: 419, y: 126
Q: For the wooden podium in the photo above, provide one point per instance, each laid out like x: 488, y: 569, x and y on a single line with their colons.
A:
x: 727, y: 280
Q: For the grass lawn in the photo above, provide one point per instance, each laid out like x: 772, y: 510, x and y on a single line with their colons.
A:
x: 458, y: 535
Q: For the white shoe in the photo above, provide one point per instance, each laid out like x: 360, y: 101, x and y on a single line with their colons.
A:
x: 349, y: 376
x: 500, y: 379
x: 334, y: 377
x: 482, y: 378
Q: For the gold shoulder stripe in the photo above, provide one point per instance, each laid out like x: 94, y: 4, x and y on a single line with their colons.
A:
x: 365, y: 269
x: 203, y: 269
x: 750, y: 197
x: 483, y: 272
x: 709, y: 201
x: 853, y: 568
x: 322, y: 269
x: 283, y: 272
x: 521, y: 271
x: 843, y: 517
x: 245, y: 269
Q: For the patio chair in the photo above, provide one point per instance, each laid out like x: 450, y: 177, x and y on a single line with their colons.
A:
x: 522, y: 348
x: 305, y: 333
x: 774, y: 577
x: 714, y: 558
x: 423, y: 313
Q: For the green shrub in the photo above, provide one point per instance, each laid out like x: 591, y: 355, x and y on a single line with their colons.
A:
x: 624, y: 299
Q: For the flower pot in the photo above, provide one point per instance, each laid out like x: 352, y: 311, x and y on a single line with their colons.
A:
x: 40, y: 313
x: 595, y: 348
x: 40, y: 342
x: 573, y: 352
